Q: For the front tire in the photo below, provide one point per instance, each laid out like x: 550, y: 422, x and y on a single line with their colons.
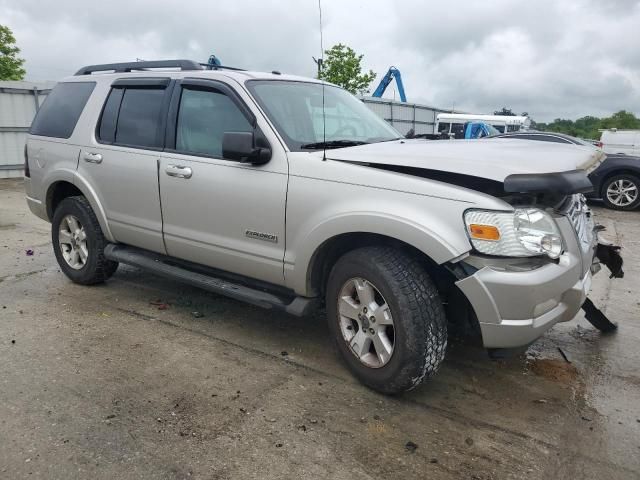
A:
x: 386, y: 318
x: 79, y: 244
x: 621, y: 192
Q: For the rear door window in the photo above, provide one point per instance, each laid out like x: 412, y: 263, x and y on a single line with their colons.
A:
x: 134, y: 113
x: 139, y: 117
x: 61, y: 110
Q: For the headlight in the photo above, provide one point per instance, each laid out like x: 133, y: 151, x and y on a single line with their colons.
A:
x: 525, y: 232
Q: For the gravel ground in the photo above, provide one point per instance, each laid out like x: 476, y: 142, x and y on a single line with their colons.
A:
x: 146, y: 378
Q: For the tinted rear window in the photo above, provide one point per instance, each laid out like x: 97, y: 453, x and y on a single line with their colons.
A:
x: 60, y: 112
x: 139, y: 117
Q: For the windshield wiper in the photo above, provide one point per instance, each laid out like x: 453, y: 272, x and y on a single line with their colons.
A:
x: 332, y: 144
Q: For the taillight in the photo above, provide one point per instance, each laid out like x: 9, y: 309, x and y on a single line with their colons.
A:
x: 27, y: 172
x: 599, y: 144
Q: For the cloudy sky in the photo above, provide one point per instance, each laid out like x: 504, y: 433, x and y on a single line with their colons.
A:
x: 550, y: 58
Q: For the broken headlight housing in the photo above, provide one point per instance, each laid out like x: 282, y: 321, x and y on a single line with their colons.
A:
x: 525, y: 232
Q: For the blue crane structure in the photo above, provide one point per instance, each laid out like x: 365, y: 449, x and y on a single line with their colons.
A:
x: 392, y: 73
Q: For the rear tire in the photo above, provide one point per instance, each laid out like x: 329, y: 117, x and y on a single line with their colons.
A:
x: 621, y: 192
x: 79, y: 244
x: 413, y: 331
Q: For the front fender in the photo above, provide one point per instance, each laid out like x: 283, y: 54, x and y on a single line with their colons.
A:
x: 433, y: 244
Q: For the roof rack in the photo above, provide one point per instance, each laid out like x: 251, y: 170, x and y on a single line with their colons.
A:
x: 211, y: 66
x: 132, y: 66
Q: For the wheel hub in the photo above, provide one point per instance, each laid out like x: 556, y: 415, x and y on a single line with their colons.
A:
x: 72, y: 241
x: 622, y: 192
x: 366, y: 322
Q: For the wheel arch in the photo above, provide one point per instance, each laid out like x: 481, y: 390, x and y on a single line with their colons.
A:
x: 439, y: 243
x: 61, y: 189
x: 459, y: 311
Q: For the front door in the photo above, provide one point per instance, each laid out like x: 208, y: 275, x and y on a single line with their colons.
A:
x: 220, y: 212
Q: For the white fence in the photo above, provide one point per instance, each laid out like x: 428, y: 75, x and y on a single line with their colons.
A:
x: 19, y: 102
x: 405, y: 116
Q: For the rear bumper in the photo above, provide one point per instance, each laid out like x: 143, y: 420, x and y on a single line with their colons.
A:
x: 37, y: 208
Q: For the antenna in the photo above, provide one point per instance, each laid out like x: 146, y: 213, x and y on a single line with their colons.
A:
x: 320, y: 62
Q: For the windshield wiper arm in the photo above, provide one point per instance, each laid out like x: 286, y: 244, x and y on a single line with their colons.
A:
x: 332, y: 144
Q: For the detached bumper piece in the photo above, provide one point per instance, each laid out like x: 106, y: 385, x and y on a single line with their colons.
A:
x: 596, y: 318
x: 610, y: 256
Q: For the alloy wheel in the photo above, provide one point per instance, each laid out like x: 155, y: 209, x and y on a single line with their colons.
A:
x: 366, y: 322
x: 72, y: 240
x: 622, y: 192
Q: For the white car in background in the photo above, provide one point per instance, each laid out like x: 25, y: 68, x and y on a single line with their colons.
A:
x: 621, y: 141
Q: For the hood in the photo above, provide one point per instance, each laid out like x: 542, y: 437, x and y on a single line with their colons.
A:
x: 491, y: 159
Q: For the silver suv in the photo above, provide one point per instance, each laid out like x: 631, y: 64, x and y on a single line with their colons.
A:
x: 288, y: 193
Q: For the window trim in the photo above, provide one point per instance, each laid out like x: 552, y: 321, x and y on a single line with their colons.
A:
x: 213, y: 85
x: 156, y: 83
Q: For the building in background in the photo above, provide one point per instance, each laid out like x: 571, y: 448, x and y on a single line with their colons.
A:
x: 19, y: 102
x: 405, y: 116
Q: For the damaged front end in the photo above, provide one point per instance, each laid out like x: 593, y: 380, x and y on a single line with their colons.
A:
x: 517, y: 299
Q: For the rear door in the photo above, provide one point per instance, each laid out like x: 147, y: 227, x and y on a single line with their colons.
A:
x: 216, y: 211
x: 121, y: 164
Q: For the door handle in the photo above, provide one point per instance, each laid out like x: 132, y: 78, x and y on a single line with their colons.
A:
x: 93, y: 157
x: 178, y: 171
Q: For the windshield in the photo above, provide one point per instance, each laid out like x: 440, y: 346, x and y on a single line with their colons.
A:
x: 295, y: 108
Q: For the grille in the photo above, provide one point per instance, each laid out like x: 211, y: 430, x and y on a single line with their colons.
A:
x: 581, y: 218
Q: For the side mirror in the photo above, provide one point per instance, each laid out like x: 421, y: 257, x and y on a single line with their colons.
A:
x: 240, y: 146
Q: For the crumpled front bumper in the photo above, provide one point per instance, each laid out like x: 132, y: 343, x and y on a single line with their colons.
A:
x: 515, y: 305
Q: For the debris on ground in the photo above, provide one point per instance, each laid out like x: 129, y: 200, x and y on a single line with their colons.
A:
x: 410, y: 446
x: 197, y: 314
x: 29, y: 252
x: 284, y: 353
x: 564, y: 355
x: 468, y: 441
x: 160, y: 304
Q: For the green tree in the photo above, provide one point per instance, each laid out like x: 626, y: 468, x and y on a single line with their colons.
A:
x: 10, y: 64
x: 589, y: 126
x: 343, y: 67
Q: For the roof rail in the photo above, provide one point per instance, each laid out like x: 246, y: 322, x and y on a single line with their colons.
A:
x: 132, y: 66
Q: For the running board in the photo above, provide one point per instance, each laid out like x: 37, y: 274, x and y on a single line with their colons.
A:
x: 175, y: 269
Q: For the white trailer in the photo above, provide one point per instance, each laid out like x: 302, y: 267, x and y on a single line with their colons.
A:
x: 453, y: 123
